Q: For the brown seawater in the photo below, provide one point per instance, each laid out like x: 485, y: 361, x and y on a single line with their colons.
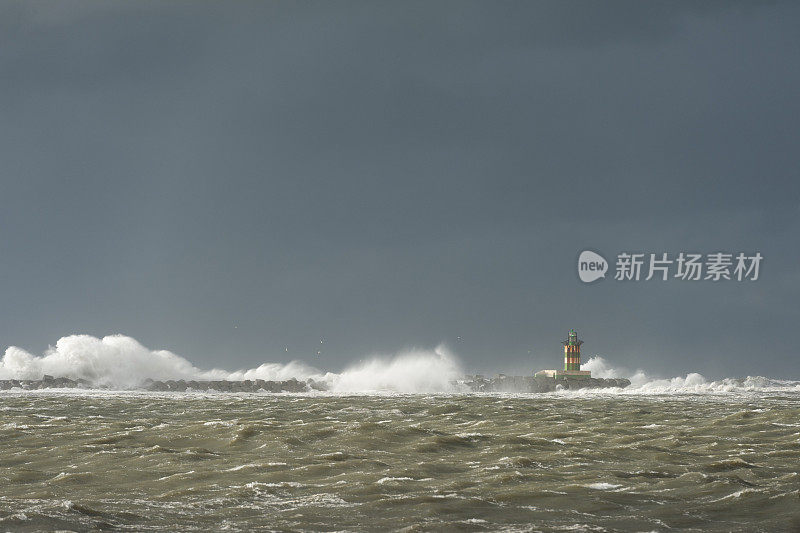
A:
x: 597, y: 462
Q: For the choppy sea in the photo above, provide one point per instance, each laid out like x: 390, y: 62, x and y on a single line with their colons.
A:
x: 721, y: 460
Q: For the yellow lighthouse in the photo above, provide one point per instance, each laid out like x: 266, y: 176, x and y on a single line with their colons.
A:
x: 572, y: 351
x: 572, y: 361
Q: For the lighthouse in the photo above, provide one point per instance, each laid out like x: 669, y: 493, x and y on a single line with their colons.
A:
x: 572, y: 361
x: 572, y: 351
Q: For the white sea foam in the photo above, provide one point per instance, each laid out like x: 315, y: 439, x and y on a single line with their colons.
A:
x: 118, y: 361
x: 115, y: 360
x: 603, y: 486
x: 121, y: 362
x: 417, y: 371
x: 642, y: 383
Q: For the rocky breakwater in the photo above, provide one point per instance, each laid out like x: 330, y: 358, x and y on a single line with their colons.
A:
x: 503, y: 383
x: 47, y: 382
x: 247, y: 385
x: 257, y: 385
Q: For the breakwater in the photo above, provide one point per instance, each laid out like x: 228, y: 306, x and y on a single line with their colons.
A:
x: 179, y: 385
x: 478, y: 383
x: 503, y: 383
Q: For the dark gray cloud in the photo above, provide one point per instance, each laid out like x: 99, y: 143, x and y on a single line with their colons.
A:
x: 393, y: 174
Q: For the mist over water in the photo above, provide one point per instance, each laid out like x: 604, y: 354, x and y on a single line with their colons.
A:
x: 121, y: 362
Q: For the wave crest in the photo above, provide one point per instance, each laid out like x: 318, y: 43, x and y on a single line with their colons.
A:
x: 642, y: 383
x: 417, y: 371
x: 119, y: 361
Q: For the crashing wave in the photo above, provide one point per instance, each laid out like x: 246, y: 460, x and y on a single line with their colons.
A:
x: 642, y: 383
x: 118, y: 361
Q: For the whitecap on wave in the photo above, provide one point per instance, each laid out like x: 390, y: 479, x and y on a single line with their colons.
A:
x: 121, y: 362
x: 118, y: 361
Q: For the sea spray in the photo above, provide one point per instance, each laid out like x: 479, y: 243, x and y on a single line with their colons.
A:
x: 415, y: 371
x: 691, y: 383
x: 113, y: 361
x: 118, y: 361
x: 121, y: 362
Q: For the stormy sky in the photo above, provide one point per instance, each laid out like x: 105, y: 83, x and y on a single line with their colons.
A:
x: 225, y: 180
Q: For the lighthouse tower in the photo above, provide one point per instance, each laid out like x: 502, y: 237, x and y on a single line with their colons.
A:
x: 572, y: 351
x: 572, y: 361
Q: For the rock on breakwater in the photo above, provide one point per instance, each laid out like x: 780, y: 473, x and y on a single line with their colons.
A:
x: 180, y: 385
x: 503, y: 383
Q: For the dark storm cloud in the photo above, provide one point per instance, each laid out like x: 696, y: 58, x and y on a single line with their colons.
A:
x: 393, y: 174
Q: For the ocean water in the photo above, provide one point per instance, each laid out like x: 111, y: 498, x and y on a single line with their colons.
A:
x: 695, y: 456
